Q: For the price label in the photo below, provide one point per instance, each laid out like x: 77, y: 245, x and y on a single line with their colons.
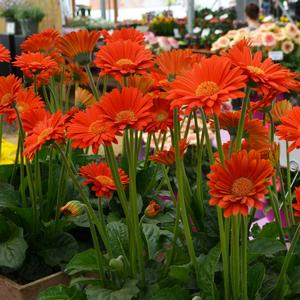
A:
x: 276, y: 55
x: 142, y: 28
x: 10, y: 27
x: 176, y: 33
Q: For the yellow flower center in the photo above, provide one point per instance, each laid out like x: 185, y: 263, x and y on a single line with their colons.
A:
x: 22, y: 107
x: 125, y: 116
x: 207, y: 88
x: 255, y: 70
x: 6, y: 98
x: 97, y: 127
x: 124, y: 61
x: 44, y: 134
x: 242, y: 186
x: 104, y: 180
x: 162, y: 116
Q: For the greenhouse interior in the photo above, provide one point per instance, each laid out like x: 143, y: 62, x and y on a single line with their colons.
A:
x: 149, y: 150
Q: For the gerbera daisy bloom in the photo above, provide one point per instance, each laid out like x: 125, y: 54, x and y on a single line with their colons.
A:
x: 123, y: 58
x: 25, y: 100
x: 287, y: 47
x: 9, y: 86
x: 124, y: 34
x: 89, y: 128
x: 84, y: 97
x: 78, y: 46
x: 176, y: 62
x: 264, y: 73
x: 152, y: 210
x: 162, y: 115
x: 4, y: 54
x: 143, y: 83
x: 128, y: 108
x: 291, y: 30
x: 72, y: 208
x: 48, y: 128
x: 99, y: 175
x: 280, y: 109
x: 36, y: 64
x: 240, y: 184
x: 296, y: 206
x: 208, y: 85
x: 167, y: 157
x: 75, y: 74
x: 268, y: 39
x: 289, y: 128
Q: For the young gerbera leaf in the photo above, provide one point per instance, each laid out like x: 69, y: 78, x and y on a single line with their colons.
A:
x: 62, y: 293
x: 174, y: 293
x: 151, y: 233
x: 256, y: 276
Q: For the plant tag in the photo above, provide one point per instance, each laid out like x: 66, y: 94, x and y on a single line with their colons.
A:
x: 275, y: 55
x: 142, y: 28
x: 10, y: 27
x: 176, y: 33
x: 205, y: 32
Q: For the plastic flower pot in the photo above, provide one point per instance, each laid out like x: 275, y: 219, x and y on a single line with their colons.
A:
x: 10, y: 290
x: 29, y: 26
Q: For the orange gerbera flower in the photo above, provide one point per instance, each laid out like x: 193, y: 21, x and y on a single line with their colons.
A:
x: 36, y: 64
x: 143, y: 83
x: 240, y: 184
x: 84, y: 97
x: 280, y: 109
x: 289, y: 128
x: 152, y: 209
x: 265, y: 73
x: 128, y: 108
x: 296, y: 206
x: 4, y: 54
x: 208, y: 85
x: 25, y: 100
x: 162, y: 116
x: 167, y: 157
x: 47, y: 128
x: 75, y: 74
x: 124, y: 34
x: 99, y: 174
x: 78, y: 46
x: 9, y: 86
x: 175, y: 62
x: 123, y: 58
x: 89, y: 128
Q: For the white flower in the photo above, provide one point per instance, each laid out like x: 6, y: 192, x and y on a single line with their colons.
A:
x: 291, y: 30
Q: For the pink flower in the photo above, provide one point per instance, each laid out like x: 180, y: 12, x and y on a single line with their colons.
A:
x: 268, y: 39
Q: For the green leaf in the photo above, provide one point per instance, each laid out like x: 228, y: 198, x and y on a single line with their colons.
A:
x: 9, y: 198
x: 127, y: 292
x: 59, y: 249
x: 118, y: 238
x: 151, y: 233
x: 256, y: 275
x: 264, y: 247
x: 173, y: 293
x: 207, y: 269
x: 82, y: 262
x: 270, y: 230
x: 180, y: 273
x: 61, y: 292
x: 13, y: 250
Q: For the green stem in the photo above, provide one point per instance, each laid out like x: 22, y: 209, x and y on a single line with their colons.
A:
x: 288, y: 183
x: 244, y: 257
x: 50, y: 107
x: 181, y: 197
x: 207, y: 139
x: 1, y: 134
x: 92, y: 83
x: 236, y: 258
x: 147, y: 150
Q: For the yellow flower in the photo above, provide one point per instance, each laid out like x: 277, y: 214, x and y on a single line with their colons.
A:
x: 8, y: 154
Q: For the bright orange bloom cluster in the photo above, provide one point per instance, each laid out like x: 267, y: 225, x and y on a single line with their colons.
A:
x: 99, y: 174
x: 41, y: 127
x: 78, y: 46
x: 4, y: 54
x: 208, y: 85
x: 236, y: 189
x: 122, y: 58
x: 289, y: 128
x: 124, y: 34
x: 296, y: 206
x: 167, y: 157
x: 75, y: 74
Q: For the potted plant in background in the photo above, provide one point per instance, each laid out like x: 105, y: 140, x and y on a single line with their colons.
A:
x: 7, y: 11
x: 29, y: 18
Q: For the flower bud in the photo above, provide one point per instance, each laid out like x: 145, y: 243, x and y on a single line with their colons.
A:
x: 117, y: 263
x: 72, y: 208
x: 152, y: 209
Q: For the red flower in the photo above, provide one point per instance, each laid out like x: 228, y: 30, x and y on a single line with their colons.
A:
x: 124, y: 34
x: 9, y: 86
x: 89, y: 128
x: 44, y: 128
x: 241, y: 183
x: 167, y: 157
x: 208, y: 85
x: 25, y: 100
x: 99, y: 174
x: 162, y: 115
x: 123, y: 58
x: 4, y: 54
x: 128, y: 108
